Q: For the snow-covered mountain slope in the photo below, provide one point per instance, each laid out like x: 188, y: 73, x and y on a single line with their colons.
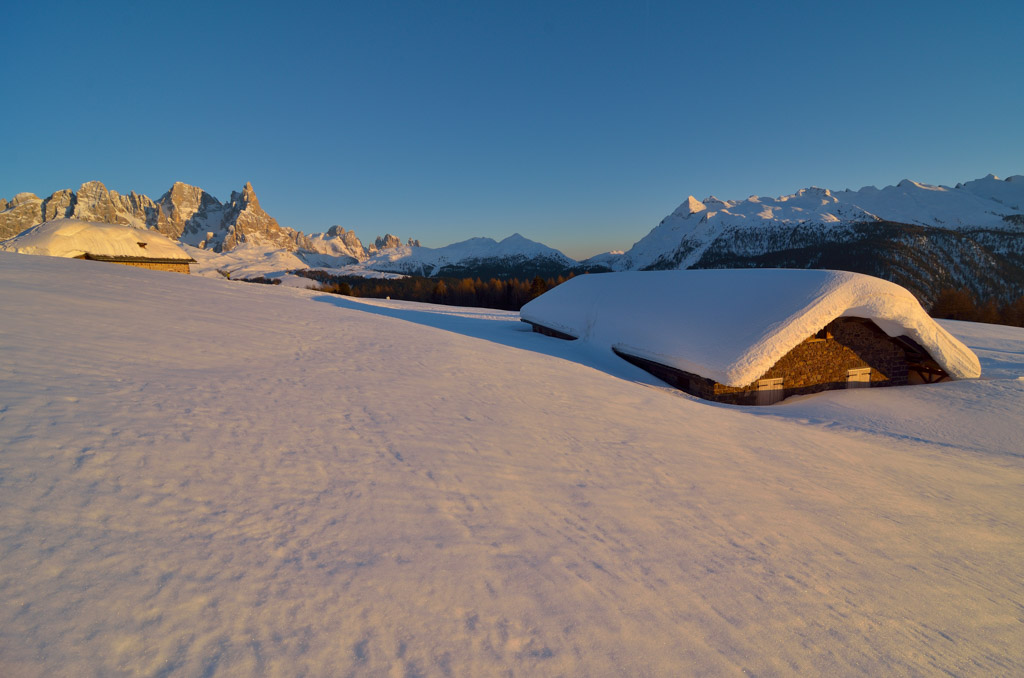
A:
x: 919, y: 236
x: 476, y: 256
x: 201, y: 477
x: 338, y: 243
x: 483, y: 257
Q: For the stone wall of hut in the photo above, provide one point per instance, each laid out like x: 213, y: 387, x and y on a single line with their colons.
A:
x: 155, y: 266
x: 819, y: 363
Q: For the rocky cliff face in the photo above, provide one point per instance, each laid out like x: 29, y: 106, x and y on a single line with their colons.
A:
x: 339, y: 243
x: 188, y: 213
x: 185, y: 213
x: 385, y: 242
x: 247, y: 222
x: 24, y: 210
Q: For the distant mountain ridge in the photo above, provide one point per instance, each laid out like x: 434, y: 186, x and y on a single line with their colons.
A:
x: 187, y: 214
x: 919, y: 236
x: 515, y: 256
x: 184, y: 213
x: 923, y: 237
x: 193, y: 217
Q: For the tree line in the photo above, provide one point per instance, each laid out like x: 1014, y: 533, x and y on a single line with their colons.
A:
x: 509, y: 294
x: 960, y: 304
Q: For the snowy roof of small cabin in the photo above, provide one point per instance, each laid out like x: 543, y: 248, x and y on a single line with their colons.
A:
x: 734, y: 325
x: 74, y: 238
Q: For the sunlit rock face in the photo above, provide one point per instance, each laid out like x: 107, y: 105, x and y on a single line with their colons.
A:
x: 22, y: 211
x: 94, y: 202
x: 185, y: 213
x: 178, y: 210
x: 60, y: 205
x: 385, y: 242
x: 189, y: 214
x: 338, y: 242
x: 246, y: 222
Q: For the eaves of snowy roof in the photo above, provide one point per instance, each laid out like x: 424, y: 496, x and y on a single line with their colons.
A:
x: 732, y: 326
x: 114, y: 242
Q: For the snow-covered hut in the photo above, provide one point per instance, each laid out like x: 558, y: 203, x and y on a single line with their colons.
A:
x: 756, y: 336
x: 101, y: 242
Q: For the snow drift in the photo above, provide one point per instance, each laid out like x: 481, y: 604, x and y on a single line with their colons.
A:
x: 206, y: 478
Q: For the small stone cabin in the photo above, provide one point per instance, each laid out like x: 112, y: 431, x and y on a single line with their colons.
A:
x: 173, y: 265
x: 114, y: 243
x: 756, y: 336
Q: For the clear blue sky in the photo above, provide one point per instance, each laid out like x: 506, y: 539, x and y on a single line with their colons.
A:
x: 578, y: 124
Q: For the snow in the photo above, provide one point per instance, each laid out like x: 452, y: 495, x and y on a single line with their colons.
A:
x: 254, y: 260
x: 73, y: 238
x: 428, y: 261
x: 977, y: 204
x: 340, y: 244
x: 247, y: 260
x: 733, y: 325
x: 206, y: 478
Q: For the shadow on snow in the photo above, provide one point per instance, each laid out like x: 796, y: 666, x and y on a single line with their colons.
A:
x: 508, y: 331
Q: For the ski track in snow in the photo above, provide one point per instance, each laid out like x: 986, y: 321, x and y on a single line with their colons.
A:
x: 205, y: 478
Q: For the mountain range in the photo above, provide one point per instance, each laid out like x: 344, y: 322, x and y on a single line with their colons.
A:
x: 923, y: 237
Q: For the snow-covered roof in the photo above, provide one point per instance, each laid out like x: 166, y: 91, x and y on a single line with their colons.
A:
x: 733, y: 325
x: 74, y: 238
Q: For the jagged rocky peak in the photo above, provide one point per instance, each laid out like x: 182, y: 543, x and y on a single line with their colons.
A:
x: 184, y: 200
x: 23, y: 199
x: 186, y: 213
x: 413, y: 243
x: 93, y: 202
x: 336, y: 242
x: 185, y: 194
x: 23, y: 211
x: 246, y: 197
x: 60, y: 205
x: 347, y: 237
x: 247, y: 205
x: 387, y: 241
x: 245, y: 221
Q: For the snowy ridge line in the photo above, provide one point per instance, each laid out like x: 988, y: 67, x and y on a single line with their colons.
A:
x: 984, y: 203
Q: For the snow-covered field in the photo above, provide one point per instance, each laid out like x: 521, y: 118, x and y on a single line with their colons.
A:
x: 205, y: 478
